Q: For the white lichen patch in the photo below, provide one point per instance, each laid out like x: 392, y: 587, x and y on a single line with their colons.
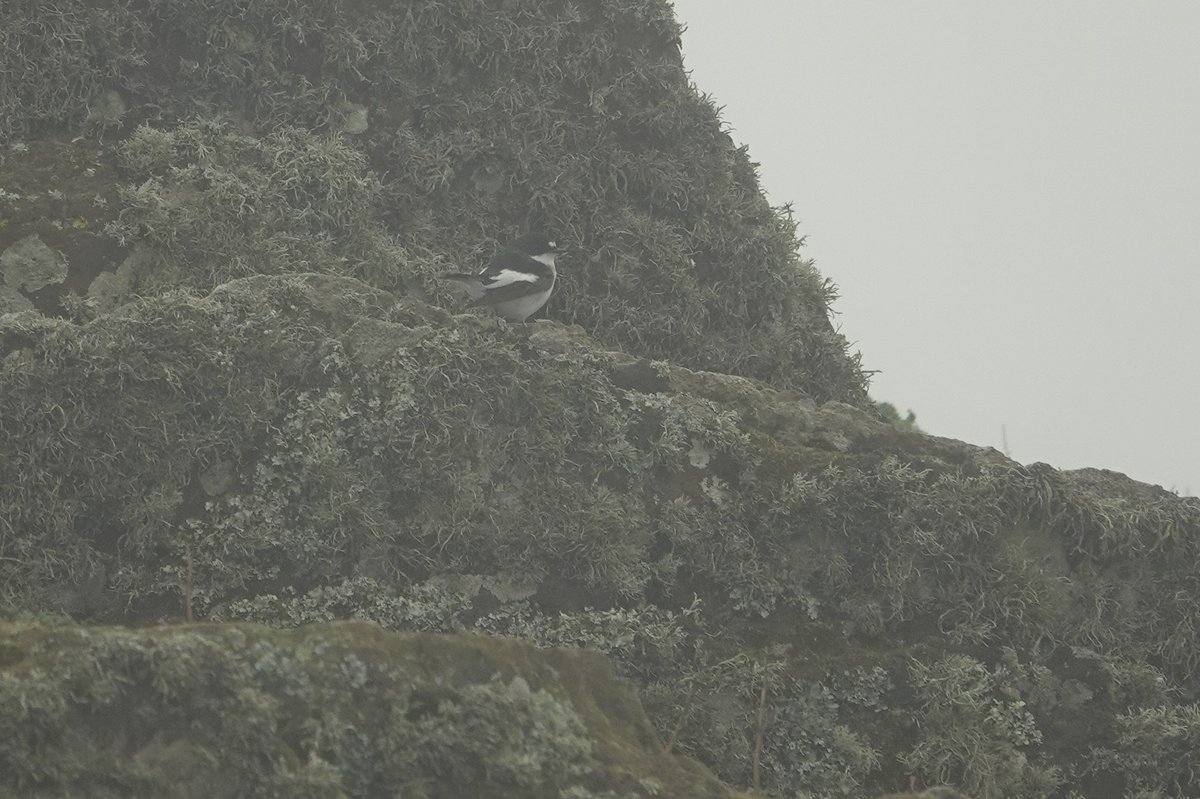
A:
x: 518, y: 690
x: 31, y: 264
x: 11, y: 301
x: 717, y: 490
x: 699, y: 456
x: 106, y: 108
x: 110, y: 289
x: 508, y: 586
x: 349, y: 117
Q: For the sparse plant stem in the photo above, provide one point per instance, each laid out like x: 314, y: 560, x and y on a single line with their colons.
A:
x: 755, y: 781
x: 187, y: 583
x: 683, y: 717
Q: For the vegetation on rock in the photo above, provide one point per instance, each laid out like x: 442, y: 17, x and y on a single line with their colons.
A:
x: 389, y: 141
x: 247, y: 401
x: 326, y: 711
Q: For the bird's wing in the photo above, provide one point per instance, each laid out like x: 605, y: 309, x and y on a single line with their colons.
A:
x: 514, y: 262
x: 511, y: 275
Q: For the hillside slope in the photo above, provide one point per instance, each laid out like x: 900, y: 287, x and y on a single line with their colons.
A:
x: 393, y: 141
x: 232, y: 389
x: 327, y: 711
x: 304, y: 448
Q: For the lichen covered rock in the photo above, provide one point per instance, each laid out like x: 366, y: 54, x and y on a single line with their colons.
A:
x: 250, y: 400
x: 341, y: 710
x: 321, y: 450
x: 392, y: 142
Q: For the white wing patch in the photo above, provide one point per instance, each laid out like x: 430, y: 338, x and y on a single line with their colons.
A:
x: 506, y: 276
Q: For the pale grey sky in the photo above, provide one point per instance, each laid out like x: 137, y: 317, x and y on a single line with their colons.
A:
x: 1007, y: 194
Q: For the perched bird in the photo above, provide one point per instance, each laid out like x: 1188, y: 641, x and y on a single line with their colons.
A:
x: 519, y: 279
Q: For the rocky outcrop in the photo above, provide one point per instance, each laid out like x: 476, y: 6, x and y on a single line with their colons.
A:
x: 330, y: 710
x: 250, y: 400
x: 321, y: 449
x: 185, y: 144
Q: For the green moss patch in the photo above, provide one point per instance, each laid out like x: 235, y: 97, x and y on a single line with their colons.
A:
x: 332, y: 710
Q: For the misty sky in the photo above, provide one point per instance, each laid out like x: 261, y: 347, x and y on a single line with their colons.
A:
x: 1007, y: 194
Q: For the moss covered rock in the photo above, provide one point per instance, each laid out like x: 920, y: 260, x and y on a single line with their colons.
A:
x: 321, y: 450
x: 394, y: 141
x: 249, y: 399
x: 340, y: 710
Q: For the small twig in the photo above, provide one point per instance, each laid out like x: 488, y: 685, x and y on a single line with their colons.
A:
x: 755, y: 783
x: 187, y: 584
x: 683, y: 717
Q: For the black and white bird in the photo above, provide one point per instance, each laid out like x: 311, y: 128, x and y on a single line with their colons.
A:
x: 519, y: 279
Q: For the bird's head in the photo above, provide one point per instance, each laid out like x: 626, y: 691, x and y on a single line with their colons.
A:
x: 538, y: 246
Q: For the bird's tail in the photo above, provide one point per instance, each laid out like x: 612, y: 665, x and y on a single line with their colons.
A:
x: 470, y: 283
